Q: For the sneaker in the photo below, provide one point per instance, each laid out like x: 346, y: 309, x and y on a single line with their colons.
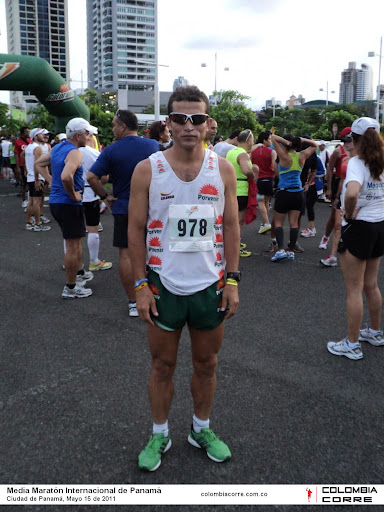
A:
x: 102, y: 265
x: 264, y: 228
x: 244, y: 253
x: 150, y: 457
x: 132, y: 309
x: 243, y: 245
x: 44, y: 219
x: 208, y: 440
x: 29, y: 226
x: 41, y: 227
x: 100, y: 227
x: 330, y: 261
x: 78, y: 292
x: 290, y: 255
x: 24, y: 204
x: 308, y: 233
x: 272, y: 246
x: 342, y: 348
x: 298, y: 248
x: 103, y: 207
x: 87, y: 276
x: 374, y: 339
x: 324, y: 242
x: 279, y: 255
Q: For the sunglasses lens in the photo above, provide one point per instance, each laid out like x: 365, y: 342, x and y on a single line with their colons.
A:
x: 178, y: 118
x: 198, y: 118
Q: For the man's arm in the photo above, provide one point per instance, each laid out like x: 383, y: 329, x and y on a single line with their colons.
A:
x: 243, y: 160
x: 37, y: 152
x: 72, y: 163
x: 138, y: 215
x: 231, y: 234
x: 41, y: 165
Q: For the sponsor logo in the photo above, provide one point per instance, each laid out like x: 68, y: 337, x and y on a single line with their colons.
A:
x: 218, y: 222
x: 220, y: 286
x: 160, y: 167
x: 348, y: 494
x: 209, y: 193
x: 65, y: 94
x: 193, y: 209
x: 7, y: 68
x: 155, y: 291
x: 154, y: 245
x: 155, y: 227
x: 219, y: 241
x: 155, y: 262
x: 221, y: 274
x: 375, y: 185
x: 166, y: 195
x: 309, y: 494
x: 219, y: 260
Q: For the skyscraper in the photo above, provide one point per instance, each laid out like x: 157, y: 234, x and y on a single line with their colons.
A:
x: 121, y: 44
x: 38, y: 28
x: 180, y: 82
x: 356, y: 84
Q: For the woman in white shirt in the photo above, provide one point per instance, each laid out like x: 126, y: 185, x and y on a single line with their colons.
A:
x: 362, y: 238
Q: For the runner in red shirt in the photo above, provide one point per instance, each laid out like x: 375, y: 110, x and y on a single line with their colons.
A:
x: 20, y: 145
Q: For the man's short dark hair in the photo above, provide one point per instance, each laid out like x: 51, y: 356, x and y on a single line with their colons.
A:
x: 22, y: 129
x: 128, y: 118
x: 234, y: 134
x: 263, y: 136
x: 188, y: 93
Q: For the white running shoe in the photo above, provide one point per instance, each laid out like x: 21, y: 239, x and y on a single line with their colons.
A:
x: 324, y: 242
x: 342, y: 348
x: 329, y: 261
x: 78, y: 292
x: 133, y: 309
x: 290, y: 255
x: 308, y: 233
x: 44, y: 219
x: 41, y: 227
x: 24, y: 204
x: 87, y: 276
x: 374, y: 339
x: 279, y: 255
x: 100, y: 227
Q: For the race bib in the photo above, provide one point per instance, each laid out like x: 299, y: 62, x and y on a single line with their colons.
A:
x: 191, y: 227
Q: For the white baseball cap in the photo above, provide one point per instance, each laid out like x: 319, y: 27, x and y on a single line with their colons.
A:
x: 78, y: 124
x: 61, y: 136
x: 361, y: 125
x: 37, y: 131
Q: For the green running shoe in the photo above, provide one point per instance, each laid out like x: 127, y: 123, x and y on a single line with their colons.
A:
x: 207, y: 439
x: 150, y: 457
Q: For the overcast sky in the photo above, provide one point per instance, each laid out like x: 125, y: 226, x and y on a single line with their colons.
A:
x: 273, y: 48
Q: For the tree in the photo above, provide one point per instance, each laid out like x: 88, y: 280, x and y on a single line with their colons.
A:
x: 289, y: 121
x: 341, y: 117
x: 41, y: 118
x: 150, y: 110
x: 8, y: 125
x: 231, y: 114
x: 103, y: 122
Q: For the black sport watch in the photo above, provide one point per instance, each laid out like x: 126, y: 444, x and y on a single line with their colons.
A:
x: 234, y: 275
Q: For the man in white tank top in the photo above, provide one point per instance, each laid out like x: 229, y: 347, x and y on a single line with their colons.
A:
x: 183, y: 226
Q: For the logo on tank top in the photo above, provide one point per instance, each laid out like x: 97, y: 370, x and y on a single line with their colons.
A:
x: 219, y: 241
x: 155, y: 227
x: 166, y: 195
x: 154, y: 245
x: 160, y: 166
x: 155, y: 262
x: 221, y: 274
x: 210, y: 162
x: 219, y: 260
x: 155, y: 291
x: 218, y: 223
x: 209, y: 193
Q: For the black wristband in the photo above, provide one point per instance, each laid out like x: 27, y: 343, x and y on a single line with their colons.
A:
x: 350, y: 219
x: 103, y: 197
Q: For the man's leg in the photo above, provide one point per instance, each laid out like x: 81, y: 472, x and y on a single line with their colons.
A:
x: 205, y: 347
x: 73, y: 258
x: 163, y: 346
x: 126, y: 275
x: 36, y: 209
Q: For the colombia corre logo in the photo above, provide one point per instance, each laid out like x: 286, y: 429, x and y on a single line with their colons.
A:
x: 209, y: 193
x: 7, y: 68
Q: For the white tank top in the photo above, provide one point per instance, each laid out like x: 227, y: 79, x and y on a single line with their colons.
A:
x: 185, y: 226
x: 30, y: 161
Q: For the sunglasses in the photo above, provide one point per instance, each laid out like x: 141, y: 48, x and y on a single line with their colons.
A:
x: 249, y: 134
x: 196, y: 119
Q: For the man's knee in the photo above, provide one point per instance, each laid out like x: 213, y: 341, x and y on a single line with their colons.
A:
x: 205, y: 366
x: 162, y: 369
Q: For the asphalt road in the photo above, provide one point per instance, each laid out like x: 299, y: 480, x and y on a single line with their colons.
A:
x: 73, y: 374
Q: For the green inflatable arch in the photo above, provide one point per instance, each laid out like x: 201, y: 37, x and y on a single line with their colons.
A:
x: 24, y: 73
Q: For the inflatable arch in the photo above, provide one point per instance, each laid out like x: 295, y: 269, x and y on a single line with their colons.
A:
x: 25, y: 73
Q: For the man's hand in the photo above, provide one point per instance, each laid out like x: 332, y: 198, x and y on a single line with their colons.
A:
x: 38, y: 185
x: 146, y: 304
x: 78, y: 196
x: 109, y: 200
x: 230, y: 300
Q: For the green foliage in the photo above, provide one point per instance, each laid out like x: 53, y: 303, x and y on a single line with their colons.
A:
x: 289, y: 121
x: 103, y: 122
x: 41, y: 118
x: 8, y: 126
x: 106, y: 100
x: 231, y: 114
x: 341, y: 117
x: 150, y: 110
